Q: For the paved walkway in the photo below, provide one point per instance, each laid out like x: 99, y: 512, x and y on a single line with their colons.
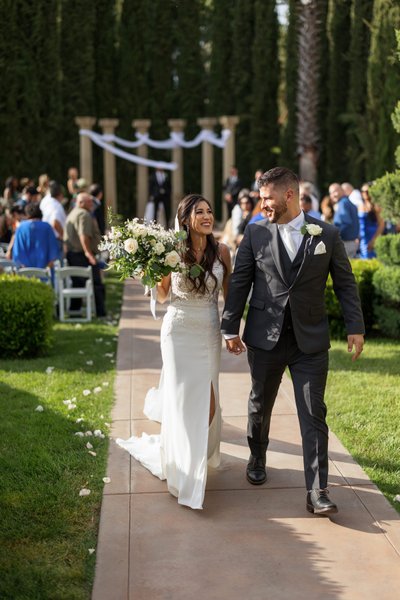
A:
x: 247, y: 542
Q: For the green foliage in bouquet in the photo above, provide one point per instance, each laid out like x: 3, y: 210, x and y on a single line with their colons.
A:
x: 146, y: 251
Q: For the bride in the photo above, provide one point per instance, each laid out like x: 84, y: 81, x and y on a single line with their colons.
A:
x: 187, y: 400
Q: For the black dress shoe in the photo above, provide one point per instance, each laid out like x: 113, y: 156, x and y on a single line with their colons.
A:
x: 319, y: 503
x: 255, y: 471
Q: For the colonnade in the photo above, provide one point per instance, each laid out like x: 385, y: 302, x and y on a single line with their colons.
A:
x: 142, y: 126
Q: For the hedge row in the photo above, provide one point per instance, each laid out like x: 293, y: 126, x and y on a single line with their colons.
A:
x: 26, y: 316
x: 363, y: 272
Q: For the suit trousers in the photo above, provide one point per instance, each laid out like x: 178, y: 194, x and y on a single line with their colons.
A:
x: 309, y: 374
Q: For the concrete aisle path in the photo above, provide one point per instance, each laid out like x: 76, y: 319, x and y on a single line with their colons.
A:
x: 248, y: 542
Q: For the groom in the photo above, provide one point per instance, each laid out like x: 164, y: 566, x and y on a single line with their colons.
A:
x: 285, y: 260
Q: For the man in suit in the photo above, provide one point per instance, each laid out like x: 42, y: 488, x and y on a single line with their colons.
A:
x: 287, y: 259
x: 160, y: 193
x: 232, y: 187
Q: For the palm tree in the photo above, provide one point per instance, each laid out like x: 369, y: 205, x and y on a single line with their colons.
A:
x: 307, y: 101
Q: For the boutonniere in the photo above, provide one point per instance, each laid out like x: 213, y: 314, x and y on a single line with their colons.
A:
x: 311, y: 229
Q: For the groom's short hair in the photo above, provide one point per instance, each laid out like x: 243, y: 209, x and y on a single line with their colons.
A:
x: 279, y: 176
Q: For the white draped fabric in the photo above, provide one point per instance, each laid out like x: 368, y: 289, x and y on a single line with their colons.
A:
x: 175, y: 140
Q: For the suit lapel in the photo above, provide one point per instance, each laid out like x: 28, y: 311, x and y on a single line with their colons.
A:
x: 308, y: 246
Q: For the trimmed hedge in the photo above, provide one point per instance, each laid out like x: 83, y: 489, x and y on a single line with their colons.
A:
x: 363, y: 272
x: 387, y: 249
x: 26, y: 316
x: 387, y: 302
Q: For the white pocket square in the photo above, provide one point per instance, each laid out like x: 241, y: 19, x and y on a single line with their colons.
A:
x: 320, y: 248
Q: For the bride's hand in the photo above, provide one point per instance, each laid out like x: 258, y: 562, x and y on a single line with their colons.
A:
x: 235, y: 345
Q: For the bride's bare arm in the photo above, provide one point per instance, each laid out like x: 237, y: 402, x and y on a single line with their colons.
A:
x: 163, y: 288
x: 226, y: 259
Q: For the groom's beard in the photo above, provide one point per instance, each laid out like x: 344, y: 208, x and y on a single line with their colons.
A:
x: 276, y: 212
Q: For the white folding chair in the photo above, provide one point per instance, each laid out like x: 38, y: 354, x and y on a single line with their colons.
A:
x: 42, y: 274
x: 7, y: 265
x: 66, y: 293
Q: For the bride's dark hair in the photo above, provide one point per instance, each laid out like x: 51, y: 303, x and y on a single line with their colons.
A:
x: 211, y: 252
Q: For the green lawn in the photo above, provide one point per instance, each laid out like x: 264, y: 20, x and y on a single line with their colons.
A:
x: 363, y: 400
x: 46, y: 527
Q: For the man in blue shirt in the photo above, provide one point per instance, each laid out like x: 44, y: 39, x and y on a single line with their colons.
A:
x: 35, y: 244
x: 345, y: 219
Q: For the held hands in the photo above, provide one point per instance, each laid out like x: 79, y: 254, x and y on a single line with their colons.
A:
x: 355, y: 341
x: 235, y: 345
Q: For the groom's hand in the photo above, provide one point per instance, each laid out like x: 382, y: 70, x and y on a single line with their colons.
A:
x: 235, y: 345
x: 355, y: 341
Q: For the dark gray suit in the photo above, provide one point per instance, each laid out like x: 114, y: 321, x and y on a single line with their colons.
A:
x: 287, y: 325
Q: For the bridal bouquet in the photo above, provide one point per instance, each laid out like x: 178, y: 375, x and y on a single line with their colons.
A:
x: 145, y: 251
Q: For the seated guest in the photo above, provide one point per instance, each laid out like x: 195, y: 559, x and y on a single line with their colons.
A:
x: 82, y: 237
x: 35, y: 244
x: 306, y: 206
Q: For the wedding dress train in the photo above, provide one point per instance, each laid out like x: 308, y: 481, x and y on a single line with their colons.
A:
x: 191, y: 349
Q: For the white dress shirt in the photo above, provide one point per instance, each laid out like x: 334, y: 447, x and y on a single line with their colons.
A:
x: 291, y: 235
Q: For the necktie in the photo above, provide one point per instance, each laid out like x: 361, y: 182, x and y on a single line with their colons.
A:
x: 287, y: 238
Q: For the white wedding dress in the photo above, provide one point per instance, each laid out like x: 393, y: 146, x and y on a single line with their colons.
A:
x: 191, y: 349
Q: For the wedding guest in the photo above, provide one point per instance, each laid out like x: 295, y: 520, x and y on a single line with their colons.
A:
x: 232, y: 187
x: 10, y: 193
x: 160, y: 196
x: 82, y: 237
x: 306, y: 206
x: 372, y: 224
x: 35, y: 244
x: 345, y: 219
x: 187, y: 400
x: 43, y: 184
x: 53, y: 212
x: 96, y: 191
x: 327, y: 209
x: 353, y: 194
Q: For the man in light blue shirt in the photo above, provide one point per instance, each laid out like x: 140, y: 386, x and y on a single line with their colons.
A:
x: 345, y: 219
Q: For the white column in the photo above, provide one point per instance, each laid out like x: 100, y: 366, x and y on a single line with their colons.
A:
x: 142, y: 172
x: 207, y: 161
x: 110, y: 182
x: 85, y: 145
x: 177, y: 126
x: 228, y: 155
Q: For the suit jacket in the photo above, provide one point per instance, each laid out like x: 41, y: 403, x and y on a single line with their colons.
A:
x: 157, y: 191
x: 259, y: 263
x: 233, y: 188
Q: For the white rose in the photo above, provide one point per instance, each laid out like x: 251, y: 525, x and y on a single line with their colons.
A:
x: 159, y: 248
x: 314, y: 229
x: 172, y: 259
x: 131, y: 245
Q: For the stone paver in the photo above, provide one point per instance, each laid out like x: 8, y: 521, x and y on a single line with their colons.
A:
x: 247, y: 542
